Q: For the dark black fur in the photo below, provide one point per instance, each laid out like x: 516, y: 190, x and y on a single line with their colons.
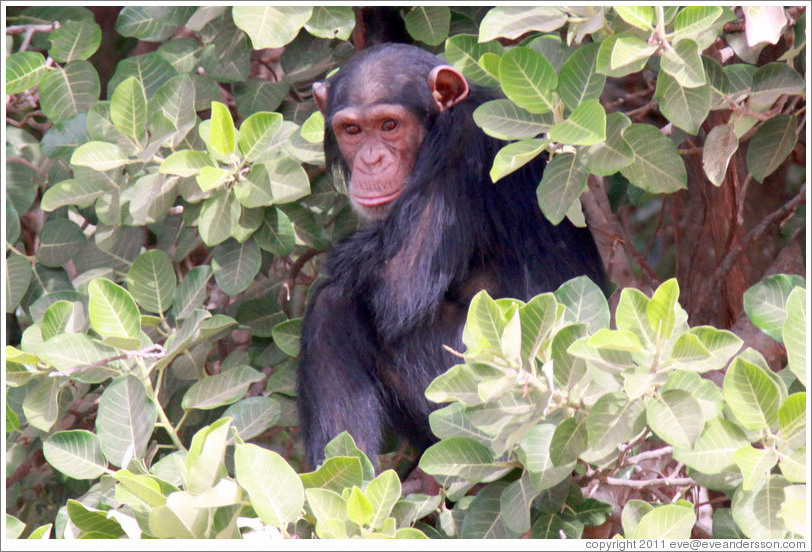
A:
x: 399, y: 289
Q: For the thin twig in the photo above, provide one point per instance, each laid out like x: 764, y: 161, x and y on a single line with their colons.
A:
x: 645, y: 483
x: 650, y: 454
x: 153, y: 351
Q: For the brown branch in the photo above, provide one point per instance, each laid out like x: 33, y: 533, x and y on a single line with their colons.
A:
x: 293, y: 274
x: 773, y: 219
x: 28, y: 164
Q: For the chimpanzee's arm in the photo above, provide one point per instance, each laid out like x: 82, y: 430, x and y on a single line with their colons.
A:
x: 337, y: 387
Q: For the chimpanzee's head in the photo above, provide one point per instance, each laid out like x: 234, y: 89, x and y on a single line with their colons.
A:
x: 377, y: 111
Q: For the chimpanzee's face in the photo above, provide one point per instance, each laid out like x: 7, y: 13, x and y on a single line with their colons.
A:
x: 379, y: 143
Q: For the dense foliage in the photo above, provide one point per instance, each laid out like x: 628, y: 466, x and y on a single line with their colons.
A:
x: 167, y: 204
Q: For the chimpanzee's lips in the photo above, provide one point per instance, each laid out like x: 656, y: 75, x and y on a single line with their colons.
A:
x: 374, y: 201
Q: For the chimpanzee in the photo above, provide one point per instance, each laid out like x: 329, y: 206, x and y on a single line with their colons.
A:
x: 399, y: 131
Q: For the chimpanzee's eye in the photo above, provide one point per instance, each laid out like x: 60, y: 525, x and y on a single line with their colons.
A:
x: 352, y: 129
x: 389, y: 125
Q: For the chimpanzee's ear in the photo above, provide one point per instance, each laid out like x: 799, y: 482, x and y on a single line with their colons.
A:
x: 320, y: 90
x: 447, y: 85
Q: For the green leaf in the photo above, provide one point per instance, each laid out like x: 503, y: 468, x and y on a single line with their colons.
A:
x: 692, y: 20
x: 175, y: 100
x: 638, y: 16
x: 205, y: 461
x: 383, y: 493
x: 287, y: 334
x: 186, y: 163
x: 514, y: 21
x: 771, y: 81
x: 484, y: 517
x: 578, y: 80
x: 792, y: 420
x: 585, y: 126
x: 191, y: 292
x: 657, y: 167
x: 765, y: 302
x: 485, y: 319
x: 125, y: 420
x: 614, y: 419
x: 75, y: 39
x: 152, y: 280
x: 458, y: 383
x: 462, y: 457
x: 359, y: 508
x: 235, y: 265
x: 152, y: 23
x: 210, y: 178
x: 770, y: 145
x: 669, y: 521
x: 141, y: 489
x: 218, y: 216
x: 275, y: 234
x: 112, y: 310
x: 752, y: 395
x: 661, y: 310
x: 68, y: 351
x: 534, y: 452
x: 584, y: 302
x: 756, y: 511
x: 713, y: 451
x: 505, y: 120
x: 91, y: 521
x: 336, y: 473
x: 612, y: 155
x: 528, y: 79
x: 331, y: 22
x: 326, y: 505
x: 464, y: 52
x: 514, y: 156
x: 14, y: 527
x: 563, y: 182
x: 720, y: 145
x: 289, y: 181
x: 220, y: 389
x: 755, y: 465
x: 221, y: 132
x: 687, y: 108
x: 313, y: 128
x: 62, y: 317
x: 717, y: 347
x: 74, y: 191
x: 257, y: 133
x: 99, y: 156
x: 794, y: 333
x: 428, y: 24
x: 622, y: 46
x: 24, y: 70
x: 60, y: 240
x: 128, y: 110
x: 41, y: 403
x: 271, y: 27
x: 629, y: 50
x: 75, y: 453
x: 569, y: 441
x: 684, y: 64
x: 66, y: 92
x: 676, y: 417
x: 252, y: 416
